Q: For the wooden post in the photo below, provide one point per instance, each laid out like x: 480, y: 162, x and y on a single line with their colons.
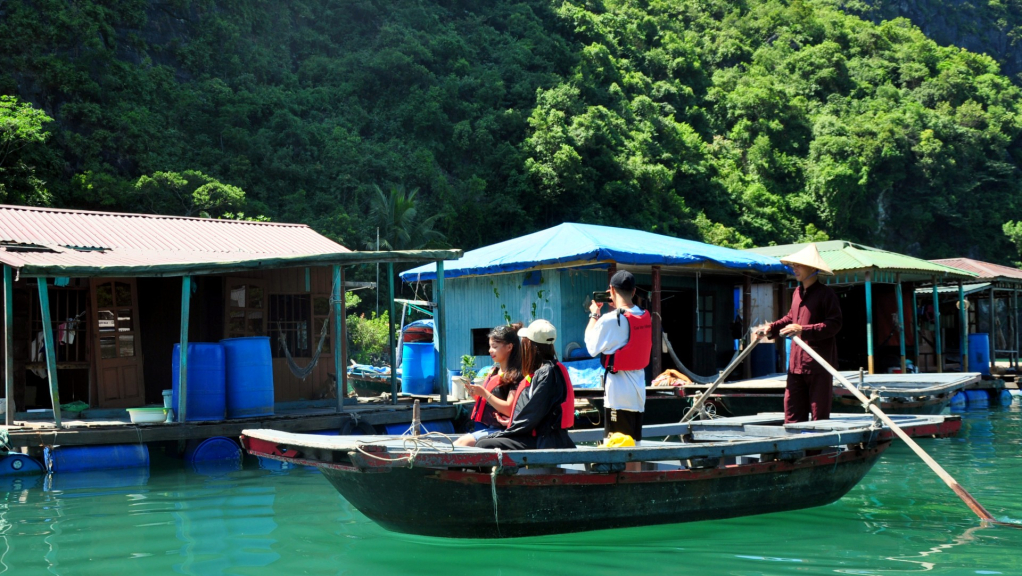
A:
x: 656, y: 361
x: 340, y: 368
x: 901, y: 322
x: 9, y: 344
x: 939, y: 352
x: 869, y: 321
x: 746, y: 322
x: 990, y: 340
x: 1014, y: 319
x: 439, y: 325
x: 963, y: 329
x: 611, y: 270
x: 51, y: 352
x: 390, y: 334
x: 182, y: 388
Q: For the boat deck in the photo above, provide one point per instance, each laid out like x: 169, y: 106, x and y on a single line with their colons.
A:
x: 884, y: 384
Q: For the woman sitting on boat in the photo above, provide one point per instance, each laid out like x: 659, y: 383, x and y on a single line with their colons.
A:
x: 543, y: 407
x: 492, y: 398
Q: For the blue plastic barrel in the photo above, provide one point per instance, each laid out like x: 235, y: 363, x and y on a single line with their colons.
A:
x: 958, y: 401
x: 249, y: 377
x: 763, y: 359
x: 215, y: 448
x: 418, y: 368
x: 977, y: 399
x: 1005, y: 398
x: 92, y: 483
x: 442, y: 426
x: 108, y: 457
x: 206, y: 382
x: 979, y: 352
x: 18, y: 464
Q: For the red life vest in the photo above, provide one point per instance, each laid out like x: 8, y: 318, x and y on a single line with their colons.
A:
x: 567, y: 406
x: 480, y: 406
x: 634, y: 355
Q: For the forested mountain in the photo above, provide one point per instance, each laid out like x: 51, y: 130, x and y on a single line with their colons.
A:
x: 738, y: 122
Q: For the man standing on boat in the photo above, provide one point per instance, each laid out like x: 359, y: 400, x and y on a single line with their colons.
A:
x: 815, y: 316
x: 624, y: 339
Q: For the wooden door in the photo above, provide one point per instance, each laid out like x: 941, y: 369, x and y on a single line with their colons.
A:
x: 118, y: 347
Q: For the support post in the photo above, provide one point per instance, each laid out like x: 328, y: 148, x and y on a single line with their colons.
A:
x: 915, y: 325
x: 656, y: 361
x: 963, y: 329
x: 901, y: 322
x: 611, y: 270
x: 51, y: 352
x: 439, y: 327
x: 1014, y: 320
x: 337, y: 299
x: 869, y: 321
x: 939, y: 352
x: 182, y: 388
x: 390, y: 334
x: 993, y: 330
x: 9, y: 344
x: 746, y: 322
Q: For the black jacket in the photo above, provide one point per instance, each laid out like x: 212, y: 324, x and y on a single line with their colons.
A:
x: 539, y: 409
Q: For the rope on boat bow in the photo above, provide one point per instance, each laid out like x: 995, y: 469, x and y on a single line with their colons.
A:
x: 493, y: 485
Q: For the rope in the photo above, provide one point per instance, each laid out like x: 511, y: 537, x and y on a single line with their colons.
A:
x: 417, y: 444
x: 302, y: 372
x: 493, y: 486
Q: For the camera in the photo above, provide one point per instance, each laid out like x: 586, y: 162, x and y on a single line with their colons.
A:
x: 603, y: 296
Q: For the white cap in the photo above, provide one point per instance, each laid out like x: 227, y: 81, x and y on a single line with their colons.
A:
x: 540, y: 332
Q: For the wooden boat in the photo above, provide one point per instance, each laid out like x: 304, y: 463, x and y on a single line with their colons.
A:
x: 723, y: 468
x: 899, y: 393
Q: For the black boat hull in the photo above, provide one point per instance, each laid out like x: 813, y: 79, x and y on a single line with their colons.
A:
x: 460, y: 504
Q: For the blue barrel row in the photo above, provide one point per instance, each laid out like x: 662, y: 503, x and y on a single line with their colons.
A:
x: 980, y: 399
x: 232, y: 378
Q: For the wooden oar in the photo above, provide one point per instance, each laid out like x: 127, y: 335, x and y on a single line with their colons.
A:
x: 723, y: 375
x: 951, y: 482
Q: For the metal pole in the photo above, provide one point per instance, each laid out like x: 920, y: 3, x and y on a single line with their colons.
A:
x: 1014, y: 320
x: 869, y: 321
x: 915, y: 326
x: 990, y: 340
x: 439, y: 325
x: 390, y: 334
x: 182, y: 390
x: 963, y: 330
x: 901, y: 323
x: 337, y: 298
x: 51, y: 352
x: 9, y: 344
x: 656, y: 362
x: 936, y: 328
x: 746, y: 321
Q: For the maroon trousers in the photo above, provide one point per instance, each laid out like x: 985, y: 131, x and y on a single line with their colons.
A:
x: 808, y: 393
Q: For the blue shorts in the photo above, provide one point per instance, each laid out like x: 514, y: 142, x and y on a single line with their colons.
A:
x: 480, y: 434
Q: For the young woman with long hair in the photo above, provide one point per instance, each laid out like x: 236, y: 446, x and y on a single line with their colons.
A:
x: 492, y: 398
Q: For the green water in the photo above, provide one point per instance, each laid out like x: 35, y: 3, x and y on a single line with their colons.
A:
x: 900, y: 519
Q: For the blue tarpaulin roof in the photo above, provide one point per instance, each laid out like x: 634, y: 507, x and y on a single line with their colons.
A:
x: 586, y: 244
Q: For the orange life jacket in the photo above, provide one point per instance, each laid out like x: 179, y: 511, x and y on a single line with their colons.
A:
x: 480, y: 406
x: 634, y: 355
x: 567, y: 406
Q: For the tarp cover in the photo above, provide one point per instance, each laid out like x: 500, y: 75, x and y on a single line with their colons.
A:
x: 579, y: 244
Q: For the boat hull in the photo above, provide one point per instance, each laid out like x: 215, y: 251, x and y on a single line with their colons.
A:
x: 460, y: 504
x: 740, y: 404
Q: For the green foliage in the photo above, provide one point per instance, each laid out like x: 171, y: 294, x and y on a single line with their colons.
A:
x: 468, y: 367
x: 1013, y: 230
x: 369, y: 337
x: 464, y: 123
x: 22, y: 133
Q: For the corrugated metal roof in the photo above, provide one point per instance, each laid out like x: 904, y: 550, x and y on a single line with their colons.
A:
x: 985, y: 270
x: 46, y: 237
x: 966, y: 289
x: 843, y: 256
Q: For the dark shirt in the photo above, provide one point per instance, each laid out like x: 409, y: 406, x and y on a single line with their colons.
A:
x: 818, y: 311
x: 484, y: 413
x: 538, y: 410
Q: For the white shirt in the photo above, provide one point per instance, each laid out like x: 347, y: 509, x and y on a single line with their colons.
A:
x: 625, y: 390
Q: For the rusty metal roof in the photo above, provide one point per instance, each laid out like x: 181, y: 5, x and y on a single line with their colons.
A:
x: 58, y: 242
x: 985, y: 270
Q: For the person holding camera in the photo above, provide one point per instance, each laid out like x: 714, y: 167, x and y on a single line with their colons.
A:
x: 815, y: 316
x: 624, y: 339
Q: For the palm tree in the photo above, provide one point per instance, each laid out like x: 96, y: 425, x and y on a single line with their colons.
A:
x: 396, y: 215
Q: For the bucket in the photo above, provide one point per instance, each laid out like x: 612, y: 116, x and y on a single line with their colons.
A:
x: 205, y: 381
x: 442, y: 426
x: 108, y: 457
x: 249, y: 376
x: 455, y: 390
x: 15, y: 464
x: 418, y: 368
x: 979, y: 352
x: 168, y: 396
x: 763, y: 359
x: 977, y: 399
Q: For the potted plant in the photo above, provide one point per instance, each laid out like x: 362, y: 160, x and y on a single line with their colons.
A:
x: 468, y: 374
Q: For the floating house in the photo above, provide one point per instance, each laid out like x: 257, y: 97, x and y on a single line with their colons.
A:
x: 992, y: 317
x: 95, y: 303
x: 552, y: 274
x: 877, y: 333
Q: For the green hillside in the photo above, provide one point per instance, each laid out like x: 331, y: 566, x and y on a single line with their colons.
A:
x: 737, y: 122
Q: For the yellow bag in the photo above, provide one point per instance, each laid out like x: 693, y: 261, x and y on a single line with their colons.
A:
x: 618, y: 440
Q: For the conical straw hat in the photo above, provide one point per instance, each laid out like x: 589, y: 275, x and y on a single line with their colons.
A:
x: 809, y: 256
